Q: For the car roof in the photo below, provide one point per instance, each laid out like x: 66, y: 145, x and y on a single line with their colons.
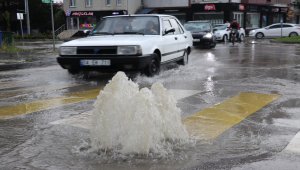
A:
x: 139, y: 15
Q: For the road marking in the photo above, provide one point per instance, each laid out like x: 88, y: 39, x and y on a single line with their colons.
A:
x: 83, y: 120
x: 207, y: 124
x: 211, y: 122
x: 294, y: 144
x: 7, y: 112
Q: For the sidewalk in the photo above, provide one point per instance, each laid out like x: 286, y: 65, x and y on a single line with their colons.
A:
x: 36, y: 53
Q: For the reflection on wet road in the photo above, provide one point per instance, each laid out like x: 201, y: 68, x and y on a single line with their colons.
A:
x: 46, y: 113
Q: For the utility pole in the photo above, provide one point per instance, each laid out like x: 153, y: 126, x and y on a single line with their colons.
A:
x: 52, y: 19
x: 27, y: 16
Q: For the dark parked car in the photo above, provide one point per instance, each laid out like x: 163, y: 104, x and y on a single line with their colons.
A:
x: 202, y: 32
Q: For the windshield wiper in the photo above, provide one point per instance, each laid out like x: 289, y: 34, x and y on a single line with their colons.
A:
x: 102, y: 33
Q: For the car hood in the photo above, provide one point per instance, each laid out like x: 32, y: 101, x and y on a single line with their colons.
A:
x: 220, y: 31
x: 111, y: 40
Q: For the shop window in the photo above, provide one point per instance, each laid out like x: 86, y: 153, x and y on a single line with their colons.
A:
x: 252, y: 20
x: 277, y: 18
x: 72, y: 3
x: 239, y: 18
x: 119, y: 2
x: 214, y: 18
x: 88, y: 3
x: 107, y: 2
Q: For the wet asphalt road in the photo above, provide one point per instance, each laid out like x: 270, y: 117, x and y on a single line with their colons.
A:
x: 33, y: 141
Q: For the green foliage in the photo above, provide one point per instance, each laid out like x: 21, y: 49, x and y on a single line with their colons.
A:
x: 9, y: 48
x: 295, y: 39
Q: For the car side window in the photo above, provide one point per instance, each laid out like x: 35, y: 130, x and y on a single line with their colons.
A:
x: 176, y: 26
x: 166, y: 25
x: 286, y: 26
x: 275, y: 26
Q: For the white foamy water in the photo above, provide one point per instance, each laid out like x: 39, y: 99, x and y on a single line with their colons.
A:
x: 127, y: 119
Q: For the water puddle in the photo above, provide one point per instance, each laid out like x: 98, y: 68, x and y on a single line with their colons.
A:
x: 129, y: 120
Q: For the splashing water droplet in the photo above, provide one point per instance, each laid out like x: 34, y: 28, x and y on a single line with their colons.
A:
x: 128, y: 120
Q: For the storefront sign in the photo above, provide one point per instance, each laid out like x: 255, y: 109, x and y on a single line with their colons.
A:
x: 87, y: 25
x: 275, y: 10
x: 208, y: 1
x: 242, y: 7
x: 82, y: 13
x: 209, y: 7
x: 68, y: 13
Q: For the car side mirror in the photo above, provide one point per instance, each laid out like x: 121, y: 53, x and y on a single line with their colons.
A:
x: 169, y: 30
x: 86, y: 32
x: 214, y: 30
x: 267, y: 28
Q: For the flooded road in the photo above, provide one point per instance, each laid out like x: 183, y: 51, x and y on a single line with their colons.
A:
x: 240, y: 102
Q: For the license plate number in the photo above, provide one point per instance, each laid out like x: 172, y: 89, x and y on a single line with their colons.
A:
x: 95, y: 62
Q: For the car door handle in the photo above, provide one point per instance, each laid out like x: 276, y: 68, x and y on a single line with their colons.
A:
x: 176, y: 38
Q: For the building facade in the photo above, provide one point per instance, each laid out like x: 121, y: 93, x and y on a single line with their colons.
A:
x: 84, y: 14
x: 249, y: 13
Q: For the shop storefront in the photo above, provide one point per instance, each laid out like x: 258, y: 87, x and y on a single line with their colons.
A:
x: 82, y: 20
x: 250, y: 16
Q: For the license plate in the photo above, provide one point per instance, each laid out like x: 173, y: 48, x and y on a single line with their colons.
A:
x: 95, y: 62
x: 196, y: 40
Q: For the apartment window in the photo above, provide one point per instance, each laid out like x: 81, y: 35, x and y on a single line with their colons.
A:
x: 108, y: 2
x: 88, y: 3
x: 119, y: 2
x: 72, y: 3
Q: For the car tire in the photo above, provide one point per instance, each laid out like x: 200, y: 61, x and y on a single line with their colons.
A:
x: 293, y: 34
x: 259, y: 35
x: 225, y: 38
x: 73, y: 71
x: 185, y: 59
x: 242, y: 37
x: 153, y: 67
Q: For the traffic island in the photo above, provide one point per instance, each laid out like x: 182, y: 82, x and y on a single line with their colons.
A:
x: 287, y: 40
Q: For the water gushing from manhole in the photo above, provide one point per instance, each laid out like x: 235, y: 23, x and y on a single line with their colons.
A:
x: 128, y: 120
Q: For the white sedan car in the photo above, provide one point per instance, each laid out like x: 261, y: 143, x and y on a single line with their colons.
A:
x: 222, y: 33
x: 276, y: 30
x: 128, y: 42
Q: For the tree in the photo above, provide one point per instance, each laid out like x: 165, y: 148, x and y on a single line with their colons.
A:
x: 6, y: 17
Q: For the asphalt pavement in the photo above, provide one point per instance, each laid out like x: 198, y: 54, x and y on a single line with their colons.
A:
x: 35, y: 53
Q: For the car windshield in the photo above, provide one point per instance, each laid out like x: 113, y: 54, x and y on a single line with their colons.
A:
x: 197, y: 26
x: 146, y: 25
x: 220, y: 27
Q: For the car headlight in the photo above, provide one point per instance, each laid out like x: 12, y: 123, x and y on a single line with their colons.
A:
x: 208, y: 35
x: 68, y: 50
x: 129, y: 50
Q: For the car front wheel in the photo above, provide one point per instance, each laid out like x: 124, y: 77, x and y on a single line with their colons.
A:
x: 242, y: 37
x: 259, y: 35
x: 73, y: 71
x: 153, y: 67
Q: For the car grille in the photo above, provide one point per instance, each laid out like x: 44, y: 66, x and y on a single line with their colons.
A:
x: 97, y: 50
x: 197, y: 35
